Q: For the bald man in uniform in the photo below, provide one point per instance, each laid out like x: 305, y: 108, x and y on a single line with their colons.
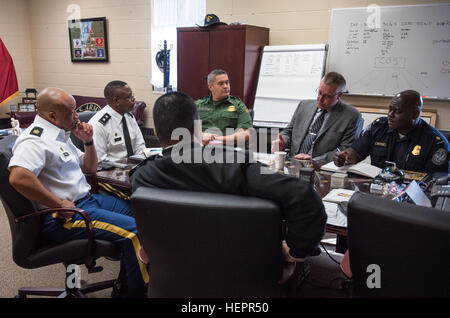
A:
x: 47, y: 169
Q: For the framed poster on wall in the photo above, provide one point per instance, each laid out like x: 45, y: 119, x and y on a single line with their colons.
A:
x: 88, y: 40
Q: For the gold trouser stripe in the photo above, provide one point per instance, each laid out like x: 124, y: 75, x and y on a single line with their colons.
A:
x: 118, y: 193
x: 119, y: 231
x: 113, y: 190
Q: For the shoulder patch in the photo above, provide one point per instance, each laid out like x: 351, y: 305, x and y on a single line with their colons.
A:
x: 380, y: 121
x: 36, y: 131
x: 439, y: 157
x: 104, y: 119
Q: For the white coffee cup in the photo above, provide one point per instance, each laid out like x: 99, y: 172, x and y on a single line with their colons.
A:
x: 280, y: 158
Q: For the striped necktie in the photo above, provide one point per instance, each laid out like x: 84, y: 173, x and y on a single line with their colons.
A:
x: 126, y: 135
x: 314, y: 128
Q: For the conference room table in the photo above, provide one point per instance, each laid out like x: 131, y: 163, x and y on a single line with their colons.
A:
x: 119, y: 177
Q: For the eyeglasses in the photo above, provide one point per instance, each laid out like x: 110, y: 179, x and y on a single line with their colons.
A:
x: 319, y: 93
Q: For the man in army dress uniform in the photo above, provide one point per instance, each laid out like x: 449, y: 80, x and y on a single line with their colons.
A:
x: 220, y: 111
x: 401, y: 137
x: 116, y: 132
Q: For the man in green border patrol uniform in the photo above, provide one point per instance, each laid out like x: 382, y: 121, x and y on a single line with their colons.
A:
x: 220, y: 111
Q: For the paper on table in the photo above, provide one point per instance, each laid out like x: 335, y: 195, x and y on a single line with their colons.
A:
x: 362, y: 168
x: 146, y: 153
x: 338, y: 195
x: 333, y: 168
x: 417, y: 195
x: 335, y: 216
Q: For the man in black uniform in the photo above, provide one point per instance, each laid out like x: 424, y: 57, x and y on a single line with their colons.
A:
x: 186, y: 165
x: 401, y: 137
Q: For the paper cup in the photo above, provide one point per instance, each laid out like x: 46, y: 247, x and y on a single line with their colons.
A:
x: 280, y: 158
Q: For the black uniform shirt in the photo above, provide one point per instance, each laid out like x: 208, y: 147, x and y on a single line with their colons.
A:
x: 424, y: 149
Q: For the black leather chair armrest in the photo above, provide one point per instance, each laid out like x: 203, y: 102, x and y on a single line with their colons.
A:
x: 89, y: 260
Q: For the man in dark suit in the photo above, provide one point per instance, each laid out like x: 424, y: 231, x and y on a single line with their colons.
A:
x: 186, y: 165
x: 319, y: 127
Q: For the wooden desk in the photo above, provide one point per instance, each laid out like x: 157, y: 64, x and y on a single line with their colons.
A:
x: 120, y: 178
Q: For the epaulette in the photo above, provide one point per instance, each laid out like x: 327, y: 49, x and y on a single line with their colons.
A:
x: 235, y: 97
x: 105, y: 118
x: 380, y: 121
x: 36, y: 131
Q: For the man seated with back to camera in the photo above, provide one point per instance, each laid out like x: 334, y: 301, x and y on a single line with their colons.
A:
x: 184, y: 165
x: 401, y: 137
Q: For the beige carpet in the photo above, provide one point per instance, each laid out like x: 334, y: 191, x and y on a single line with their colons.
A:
x: 12, y: 277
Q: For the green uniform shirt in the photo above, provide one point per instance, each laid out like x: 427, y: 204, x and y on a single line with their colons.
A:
x: 230, y: 112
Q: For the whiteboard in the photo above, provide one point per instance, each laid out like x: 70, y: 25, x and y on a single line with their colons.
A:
x: 288, y: 74
x: 385, y: 50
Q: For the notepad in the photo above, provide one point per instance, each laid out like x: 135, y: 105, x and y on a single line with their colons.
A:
x: 362, y: 168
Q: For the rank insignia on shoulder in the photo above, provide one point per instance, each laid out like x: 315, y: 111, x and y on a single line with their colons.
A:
x: 36, y: 131
x: 104, y: 119
x: 416, y: 150
x: 231, y: 108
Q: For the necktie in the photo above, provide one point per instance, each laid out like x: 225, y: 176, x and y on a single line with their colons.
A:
x: 126, y: 135
x: 312, y: 133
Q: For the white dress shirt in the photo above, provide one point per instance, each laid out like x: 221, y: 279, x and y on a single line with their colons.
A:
x: 50, y: 155
x: 108, y: 134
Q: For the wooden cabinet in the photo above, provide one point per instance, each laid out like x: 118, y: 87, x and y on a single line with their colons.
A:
x: 236, y: 49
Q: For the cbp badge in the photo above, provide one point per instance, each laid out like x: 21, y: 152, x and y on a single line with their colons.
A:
x: 231, y: 108
x: 416, y: 150
x: 439, y: 157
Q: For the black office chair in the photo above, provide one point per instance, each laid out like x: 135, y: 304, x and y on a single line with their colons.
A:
x: 398, y: 249
x: 29, y: 252
x: 210, y: 244
x: 84, y: 118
